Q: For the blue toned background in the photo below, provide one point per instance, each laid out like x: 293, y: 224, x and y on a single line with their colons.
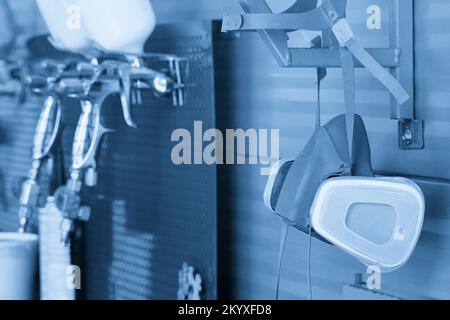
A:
x: 251, y: 91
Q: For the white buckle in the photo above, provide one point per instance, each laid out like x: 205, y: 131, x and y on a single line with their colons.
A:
x: 343, y: 32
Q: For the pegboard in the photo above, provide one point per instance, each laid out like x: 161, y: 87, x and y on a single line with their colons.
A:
x: 148, y: 215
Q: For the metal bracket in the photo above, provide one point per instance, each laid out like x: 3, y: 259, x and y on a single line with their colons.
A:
x: 411, y: 134
x: 276, y: 40
x: 175, y: 66
x: 399, y: 58
x: 178, y: 69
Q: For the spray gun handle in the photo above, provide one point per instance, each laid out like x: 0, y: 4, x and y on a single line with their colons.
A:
x: 48, y: 128
x: 88, y: 136
x: 47, y: 132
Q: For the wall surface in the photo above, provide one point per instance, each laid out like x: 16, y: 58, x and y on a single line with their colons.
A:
x: 149, y: 216
x: 253, y: 92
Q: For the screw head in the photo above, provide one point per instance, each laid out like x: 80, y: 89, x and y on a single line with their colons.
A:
x: 332, y: 15
x: 407, y: 137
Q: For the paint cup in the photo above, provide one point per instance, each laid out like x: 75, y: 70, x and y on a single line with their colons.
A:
x: 18, y: 266
x: 63, y: 19
x: 117, y: 25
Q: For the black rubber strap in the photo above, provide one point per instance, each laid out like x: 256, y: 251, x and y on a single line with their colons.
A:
x: 284, y: 235
x: 348, y: 71
x: 321, y: 74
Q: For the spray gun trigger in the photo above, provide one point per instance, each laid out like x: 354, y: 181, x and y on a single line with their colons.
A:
x: 125, y: 94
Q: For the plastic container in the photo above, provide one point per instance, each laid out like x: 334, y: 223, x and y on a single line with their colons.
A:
x: 118, y: 25
x: 18, y: 266
x: 55, y: 259
x: 64, y: 21
x: 377, y: 220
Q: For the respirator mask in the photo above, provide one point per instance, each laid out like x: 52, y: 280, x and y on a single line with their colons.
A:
x: 376, y: 220
x: 330, y: 190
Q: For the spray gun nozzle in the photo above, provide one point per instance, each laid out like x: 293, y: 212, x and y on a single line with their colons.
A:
x: 67, y: 227
x: 23, y: 224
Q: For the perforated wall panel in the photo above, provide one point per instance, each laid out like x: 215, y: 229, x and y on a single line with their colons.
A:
x: 149, y: 216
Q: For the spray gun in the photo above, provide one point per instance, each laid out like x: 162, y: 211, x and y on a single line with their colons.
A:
x: 46, y: 136
x: 108, y: 77
x: 47, y: 132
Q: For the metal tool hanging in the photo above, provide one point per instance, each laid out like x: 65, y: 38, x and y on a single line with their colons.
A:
x: 340, y: 48
x: 45, y: 140
x: 94, y: 83
x: 38, y: 77
x: 91, y: 80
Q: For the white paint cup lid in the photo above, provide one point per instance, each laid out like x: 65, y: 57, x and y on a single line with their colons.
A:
x: 10, y: 240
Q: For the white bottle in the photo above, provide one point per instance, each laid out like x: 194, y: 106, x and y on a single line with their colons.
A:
x: 54, y: 259
x: 64, y: 21
x: 118, y: 25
